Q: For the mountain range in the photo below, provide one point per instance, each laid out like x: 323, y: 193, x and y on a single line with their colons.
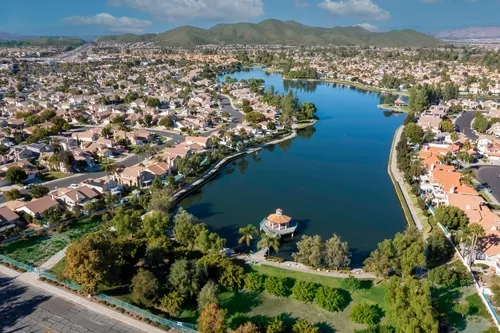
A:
x: 278, y: 32
x: 469, y: 33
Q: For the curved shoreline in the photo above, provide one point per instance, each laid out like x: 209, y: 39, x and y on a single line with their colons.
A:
x: 214, y: 171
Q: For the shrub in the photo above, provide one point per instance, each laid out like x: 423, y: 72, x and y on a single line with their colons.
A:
x: 303, y: 326
x: 304, y: 291
x: 255, y: 281
x: 352, y: 283
x: 276, y: 326
x: 275, y: 259
x: 329, y: 299
x: 276, y: 285
x: 364, y: 313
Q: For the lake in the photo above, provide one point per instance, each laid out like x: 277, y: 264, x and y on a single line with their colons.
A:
x: 331, y: 179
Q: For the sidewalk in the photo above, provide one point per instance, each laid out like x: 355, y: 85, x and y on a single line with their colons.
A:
x: 400, y: 181
x: 52, y: 261
x: 101, y: 309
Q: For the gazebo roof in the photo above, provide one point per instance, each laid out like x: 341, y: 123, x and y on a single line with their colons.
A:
x: 278, y: 217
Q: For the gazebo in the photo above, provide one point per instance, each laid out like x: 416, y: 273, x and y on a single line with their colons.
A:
x: 278, y: 224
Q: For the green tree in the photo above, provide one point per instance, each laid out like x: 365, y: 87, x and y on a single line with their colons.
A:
x: 303, y: 326
x: 160, y: 200
x: 247, y: 234
x: 439, y: 248
x: 415, y: 133
x: 15, y: 175
x: 480, y: 123
x: 447, y: 126
x: 145, y: 288
x: 380, y: 259
x: 409, y: 306
x: 208, y: 295
x: 212, y: 320
x: 364, y: 313
x: 254, y: 117
x: 255, y: 281
x: 451, y: 217
x: 330, y: 299
x: 172, y: 303
x: 187, y: 276
x: 276, y: 325
x: 12, y: 194
x: 268, y: 242
x: 167, y: 122
x: 309, y: 251
x: 308, y: 109
x: 336, y: 253
x: 304, y: 291
x: 352, y: 283
x: 38, y: 191
x: 207, y: 241
x: 126, y: 222
x: 157, y: 184
x: 410, y: 249
x: 276, y: 285
x: 187, y: 228
x: 107, y: 131
x: 155, y: 224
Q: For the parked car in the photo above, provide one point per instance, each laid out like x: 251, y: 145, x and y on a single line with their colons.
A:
x: 73, y: 186
x: 27, y: 187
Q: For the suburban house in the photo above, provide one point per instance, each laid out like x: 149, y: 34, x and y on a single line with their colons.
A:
x: 102, y: 185
x: 430, y: 123
x: 199, y: 140
x: 37, y: 207
x: 74, y: 197
x: 135, y: 176
x: 8, y: 219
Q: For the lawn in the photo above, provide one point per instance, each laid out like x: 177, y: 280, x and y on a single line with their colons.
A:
x: 37, y: 249
x: 58, y: 268
x: 245, y: 305
x: 53, y: 175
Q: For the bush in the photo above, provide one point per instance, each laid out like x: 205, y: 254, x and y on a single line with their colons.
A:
x: 276, y: 326
x: 304, y: 291
x: 352, y: 283
x: 255, y: 281
x: 453, y: 275
x: 276, y: 285
x: 275, y: 259
x: 303, y: 326
x: 329, y: 299
x: 364, y: 313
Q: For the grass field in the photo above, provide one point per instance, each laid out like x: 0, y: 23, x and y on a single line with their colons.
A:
x: 37, y: 249
x: 53, y: 175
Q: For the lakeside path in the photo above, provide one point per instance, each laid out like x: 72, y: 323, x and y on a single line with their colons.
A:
x: 397, y: 177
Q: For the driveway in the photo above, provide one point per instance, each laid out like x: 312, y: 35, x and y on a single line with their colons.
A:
x: 464, y: 122
x: 489, y: 175
x: 25, y: 308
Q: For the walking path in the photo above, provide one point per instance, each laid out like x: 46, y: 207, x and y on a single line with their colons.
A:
x: 400, y: 181
x: 54, y: 259
x: 32, y: 279
x: 258, y: 258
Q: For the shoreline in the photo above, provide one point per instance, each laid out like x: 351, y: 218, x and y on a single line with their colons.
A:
x: 395, y: 109
x: 187, y: 190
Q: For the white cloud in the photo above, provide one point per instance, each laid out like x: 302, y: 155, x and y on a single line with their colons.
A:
x: 365, y: 9
x: 368, y: 26
x: 301, y: 4
x: 114, y: 24
x: 182, y: 10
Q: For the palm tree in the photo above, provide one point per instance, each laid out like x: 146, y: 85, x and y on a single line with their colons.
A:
x: 247, y: 234
x: 268, y: 242
x: 474, y: 231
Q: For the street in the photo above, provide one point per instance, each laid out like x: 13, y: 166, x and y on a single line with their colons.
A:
x: 25, y: 308
x: 488, y: 176
x: 464, y: 122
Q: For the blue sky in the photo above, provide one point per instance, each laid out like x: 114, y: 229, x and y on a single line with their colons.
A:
x: 97, y: 17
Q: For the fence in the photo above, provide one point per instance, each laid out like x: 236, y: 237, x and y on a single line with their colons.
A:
x: 180, y: 326
x: 484, y: 297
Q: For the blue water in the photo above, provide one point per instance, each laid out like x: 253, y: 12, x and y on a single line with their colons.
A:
x: 332, y: 178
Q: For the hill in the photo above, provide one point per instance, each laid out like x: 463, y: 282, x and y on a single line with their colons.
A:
x: 470, y: 33
x: 278, y: 32
x: 44, y: 41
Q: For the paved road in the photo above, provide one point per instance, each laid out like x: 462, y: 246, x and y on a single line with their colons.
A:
x: 489, y: 176
x: 464, y: 124
x: 25, y: 308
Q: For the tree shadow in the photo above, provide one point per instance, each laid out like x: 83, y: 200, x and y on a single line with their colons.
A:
x: 230, y: 233
x: 203, y: 210
x: 365, y: 284
x: 358, y: 257
x: 444, y: 302
x: 325, y: 327
x: 13, y: 306
x: 239, y: 319
x: 347, y: 298
x: 242, y: 302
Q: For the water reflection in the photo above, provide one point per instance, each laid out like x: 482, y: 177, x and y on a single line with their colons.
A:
x: 307, y: 132
x: 243, y: 165
x: 285, y: 145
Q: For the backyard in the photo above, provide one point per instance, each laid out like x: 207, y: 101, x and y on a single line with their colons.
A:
x: 38, y: 248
